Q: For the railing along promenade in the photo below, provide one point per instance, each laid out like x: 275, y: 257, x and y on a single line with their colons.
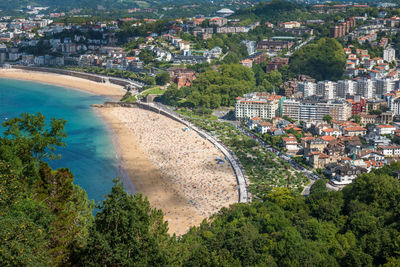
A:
x: 244, y: 196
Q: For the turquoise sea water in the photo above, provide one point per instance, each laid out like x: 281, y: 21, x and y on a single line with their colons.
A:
x: 90, y: 153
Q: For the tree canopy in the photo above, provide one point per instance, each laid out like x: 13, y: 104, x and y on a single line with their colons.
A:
x: 323, y: 60
x: 213, y: 88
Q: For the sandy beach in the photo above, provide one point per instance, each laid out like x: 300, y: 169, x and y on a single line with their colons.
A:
x: 105, y: 89
x: 173, y: 167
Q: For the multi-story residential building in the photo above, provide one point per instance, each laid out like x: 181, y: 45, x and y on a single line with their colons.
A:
x: 385, y: 86
x: 343, y: 28
x: 354, y: 131
x: 345, y: 88
x: 276, y: 63
x: 218, y: 21
x: 358, y: 105
x: 290, y: 144
x: 366, y: 88
x: 260, y: 105
x: 317, y: 144
x: 344, y: 175
x: 394, y: 105
x: 385, y: 129
x: 307, y: 88
x: 326, y: 89
x: 389, y: 54
x: 290, y: 25
x: 316, y: 109
x: 274, y: 45
x: 390, y: 151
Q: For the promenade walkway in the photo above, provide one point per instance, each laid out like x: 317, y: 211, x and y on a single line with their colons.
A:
x: 244, y: 196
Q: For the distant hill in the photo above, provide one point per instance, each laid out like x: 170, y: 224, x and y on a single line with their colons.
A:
x: 91, y: 4
x: 276, y: 10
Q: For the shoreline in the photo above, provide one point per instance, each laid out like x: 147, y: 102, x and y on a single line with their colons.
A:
x: 187, y: 192
x: 122, y: 169
x: 112, y: 91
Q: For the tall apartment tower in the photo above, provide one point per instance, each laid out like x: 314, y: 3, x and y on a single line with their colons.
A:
x: 307, y: 88
x: 366, y: 88
x: 326, y: 89
x: 345, y: 88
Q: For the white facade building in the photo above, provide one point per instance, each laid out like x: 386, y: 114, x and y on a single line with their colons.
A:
x: 384, y: 86
x: 259, y: 105
x: 366, y: 88
x: 326, y: 89
x: 394, y: 105
x: 307, y: 88
x: 389, y: 54
x: 345, y: 87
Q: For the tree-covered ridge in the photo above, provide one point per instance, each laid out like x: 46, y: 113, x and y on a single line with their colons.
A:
x: 275, y: 11
x: 213, y: 88
x: 323, y: 60
x: 47, y: 221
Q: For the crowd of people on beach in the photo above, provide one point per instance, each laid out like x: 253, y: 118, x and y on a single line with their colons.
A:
x: 189, y: 164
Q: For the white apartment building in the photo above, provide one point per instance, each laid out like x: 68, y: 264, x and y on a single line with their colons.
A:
x: 390, y: 151
x: 394, y: 105
x: 315, y: 110
x: 307, y: 88
x: 366, y: 88
x: 261, y: 105
x: 345, y: 87
x: 326, y: 89
x: 389, y: 54
x: 384, y: 86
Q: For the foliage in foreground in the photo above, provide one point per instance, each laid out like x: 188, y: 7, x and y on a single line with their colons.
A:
x: 46, y: 220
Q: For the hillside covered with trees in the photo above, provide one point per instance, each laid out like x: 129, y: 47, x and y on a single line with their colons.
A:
x: 213, y: 88
x: 323, y: 60
x: 47, y: 220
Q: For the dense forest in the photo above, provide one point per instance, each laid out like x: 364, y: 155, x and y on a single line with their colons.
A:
x: 323, y: 60
x: 213, y: 88
x: 47, y: 220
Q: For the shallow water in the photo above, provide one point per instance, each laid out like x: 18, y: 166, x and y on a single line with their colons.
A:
x: 90, y: 153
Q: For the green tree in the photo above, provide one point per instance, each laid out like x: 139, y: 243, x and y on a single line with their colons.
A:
x: 356, y: 119
x: 324, y: 60
x: 327, y: 118
x: 162, y: 78
x: 127, y: 232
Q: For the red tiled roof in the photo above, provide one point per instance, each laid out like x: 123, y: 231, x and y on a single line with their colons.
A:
x: 328, y: 138
x: 354, y: 129
x: 385, y: 126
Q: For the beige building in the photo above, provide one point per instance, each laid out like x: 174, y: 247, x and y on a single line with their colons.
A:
x: 262, y: 105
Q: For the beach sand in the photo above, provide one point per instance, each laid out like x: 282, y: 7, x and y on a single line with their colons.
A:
x: 174, y: 168
x: 105, y: 89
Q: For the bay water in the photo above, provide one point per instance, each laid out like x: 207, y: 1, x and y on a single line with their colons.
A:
x: 90, y: 154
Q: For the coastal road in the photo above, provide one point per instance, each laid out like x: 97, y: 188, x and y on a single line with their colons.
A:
x: 244, y: 196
